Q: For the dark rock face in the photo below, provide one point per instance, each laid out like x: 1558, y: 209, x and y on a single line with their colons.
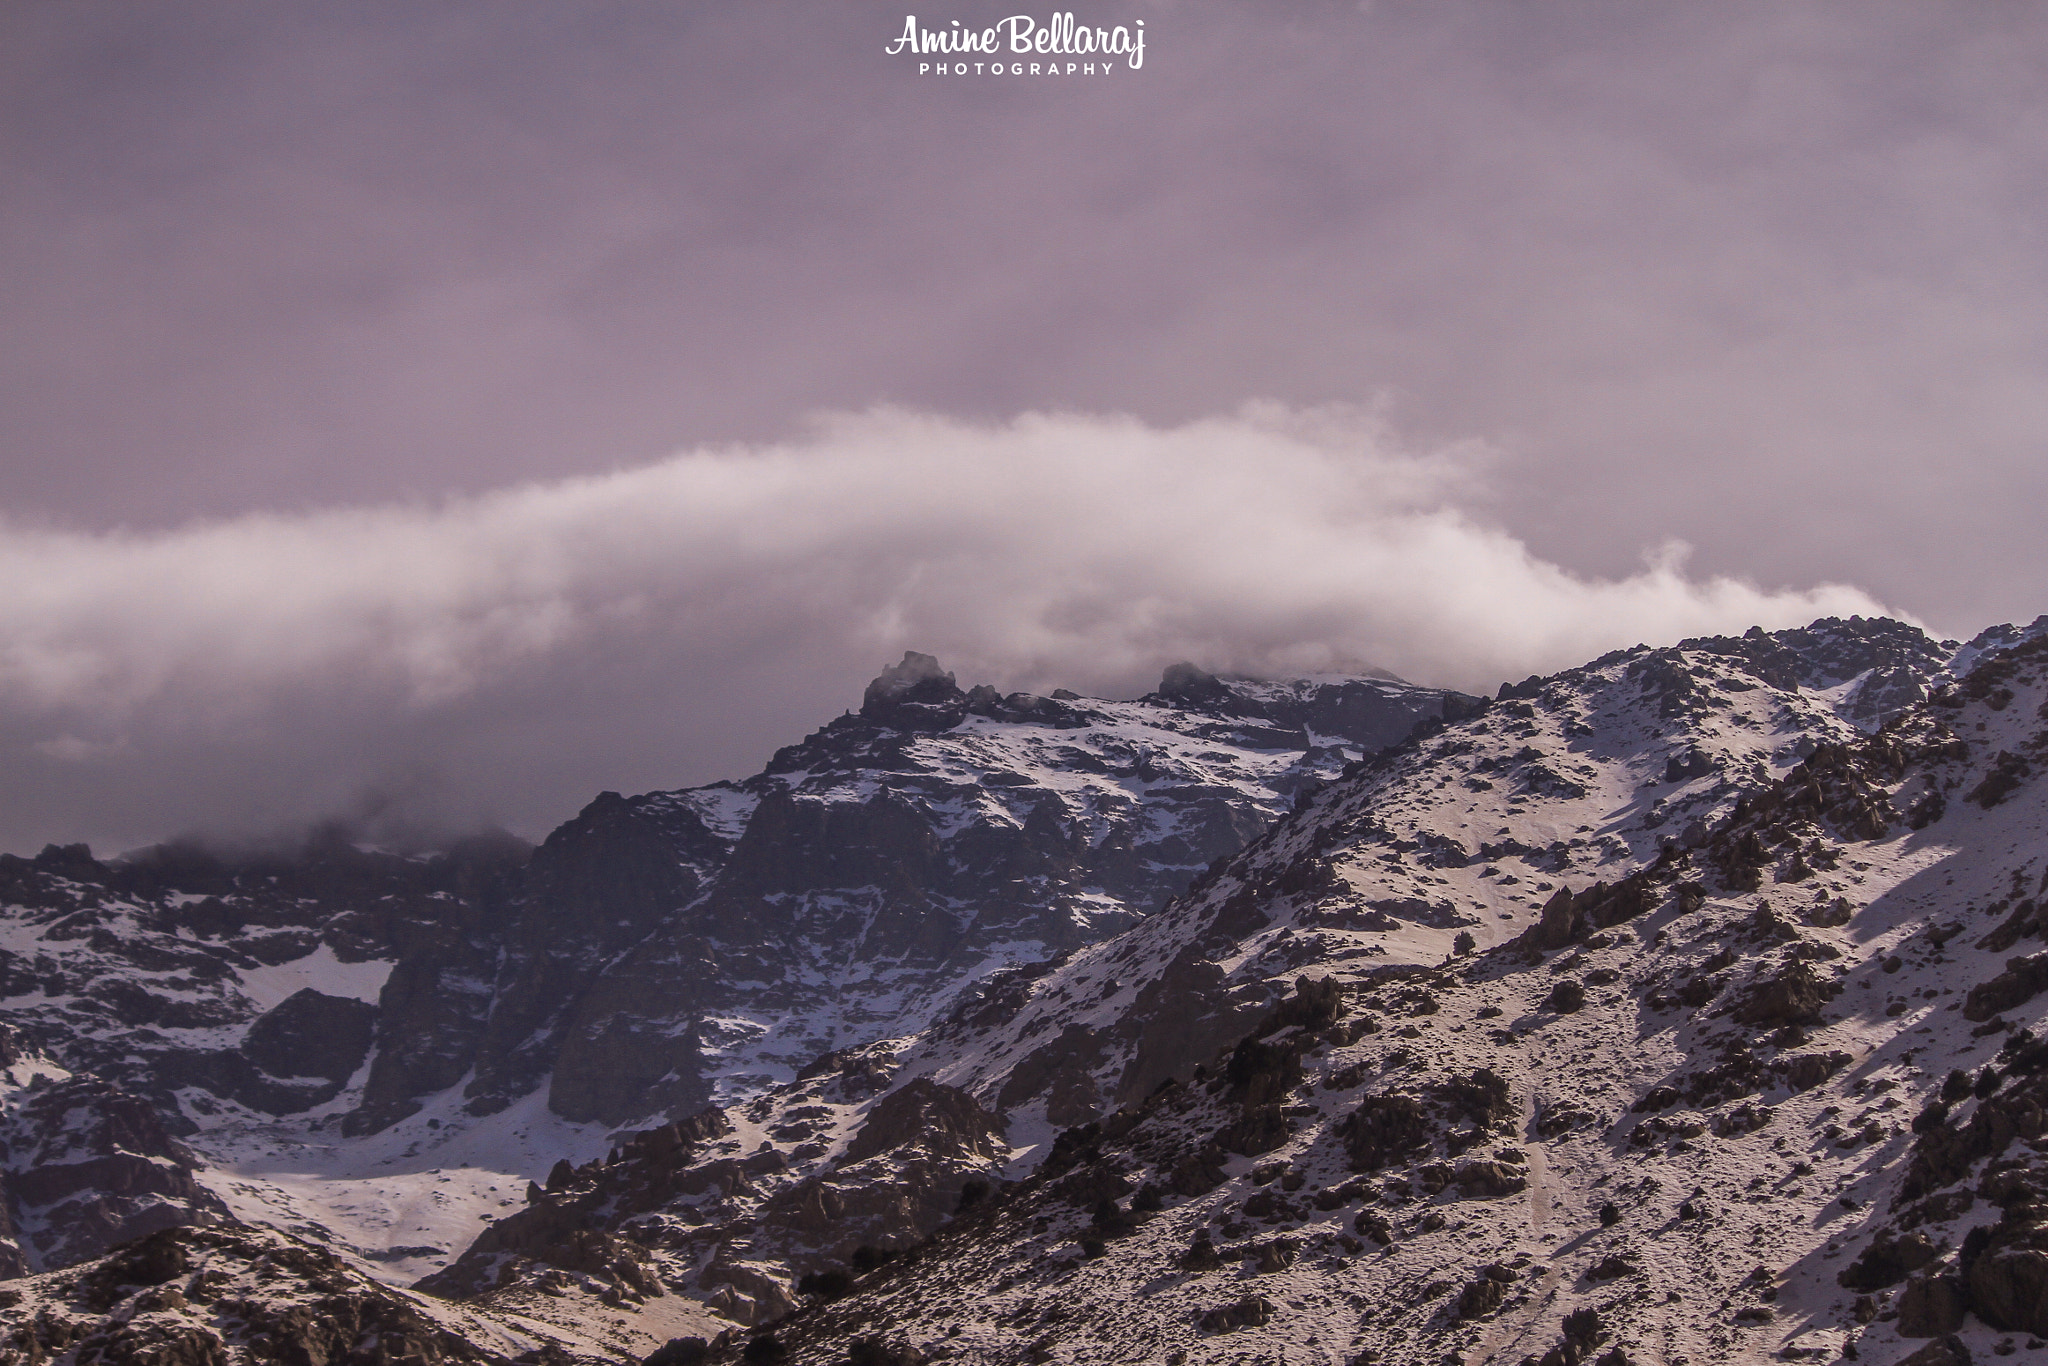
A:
x: 1375, y: 713
x: 1568, y: 917
x: 1889, y: 1259
x: 1253, y: 1311
x: 1794, y: 996
x: 1491, y: 1180
x: 596, y: 888
x: 161, y: 942
x: 2008, y: 1288
x: 1566, y: 998
x: 1481, y: 1298
x: 915, y: 695
x: 88, y: 1166
x: 310, y: 1034
x: 2022, y: 980
x: 1931, y: 1306
x: 1385, y: 1129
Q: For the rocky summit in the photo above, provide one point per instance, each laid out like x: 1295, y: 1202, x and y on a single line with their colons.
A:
x: 1681, y: 1008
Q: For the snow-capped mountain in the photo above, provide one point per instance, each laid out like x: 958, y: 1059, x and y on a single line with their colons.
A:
x: 1453, y: 844
x: 1774, y: 1094
x: 1677, y: 1008
x: 384, y: 1048
x: 1766, y: 1090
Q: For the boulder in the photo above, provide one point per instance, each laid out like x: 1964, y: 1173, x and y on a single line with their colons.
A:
x: 1253, y: 1311
x: 1566, y: 998
x: 1481, y: 1298
x: 1383, y: 1129
x: 1948, y: 1351
x: 2022, y: 980
x: 1487, y: 1180
x: 1794, y: 996
x: 1889, y: 1259
x: 1931, y: 1306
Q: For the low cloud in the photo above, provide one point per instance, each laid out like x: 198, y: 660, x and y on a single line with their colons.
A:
x: 503, y: 657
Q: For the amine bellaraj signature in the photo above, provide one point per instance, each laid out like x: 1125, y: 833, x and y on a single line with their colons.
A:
x: 1020, y: 35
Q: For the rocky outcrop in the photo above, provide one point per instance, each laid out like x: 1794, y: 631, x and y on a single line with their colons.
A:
x: 2022, y: 980
x: 494, y: 1004
x: 1888, y: 662
x: 311, y: 1034
x: 1793, y: 996
x: 574, y: 1225
x: 915, y: 695
x: 88, y: 1166
x: 1932, y: 1306
x: 215, y: 1296
x: 150, y: 955
x: 944, y: 1120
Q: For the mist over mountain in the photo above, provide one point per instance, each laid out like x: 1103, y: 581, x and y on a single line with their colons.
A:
x: 493, y: 660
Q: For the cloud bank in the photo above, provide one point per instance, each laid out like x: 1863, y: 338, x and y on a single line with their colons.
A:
x: 505, y: 656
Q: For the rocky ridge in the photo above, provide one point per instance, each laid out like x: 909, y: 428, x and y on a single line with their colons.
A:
x: 374, y: 1019
x: 1772, y: 1092
x: 1457, y: 841
x: 84, y: 1166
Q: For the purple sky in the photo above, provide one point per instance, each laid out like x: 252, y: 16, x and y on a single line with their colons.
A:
x: 1762, y: 278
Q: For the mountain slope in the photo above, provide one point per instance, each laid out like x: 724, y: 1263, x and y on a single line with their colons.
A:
x: 241, y: 1295
x: 1774, y: 1093
x: 1468, y: 831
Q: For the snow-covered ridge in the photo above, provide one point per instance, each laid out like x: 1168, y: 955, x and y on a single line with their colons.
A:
x: 1466, y: 832
x: 1770, y: 1091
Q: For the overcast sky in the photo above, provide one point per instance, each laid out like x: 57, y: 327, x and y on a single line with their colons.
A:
x: 454, y: 409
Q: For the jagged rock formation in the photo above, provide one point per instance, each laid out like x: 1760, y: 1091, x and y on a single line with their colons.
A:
x: 85, y: 1166
x: 183, y: 971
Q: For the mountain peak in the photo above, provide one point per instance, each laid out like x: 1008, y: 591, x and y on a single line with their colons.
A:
x: 917, y: 684
x: 1186, y: 682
